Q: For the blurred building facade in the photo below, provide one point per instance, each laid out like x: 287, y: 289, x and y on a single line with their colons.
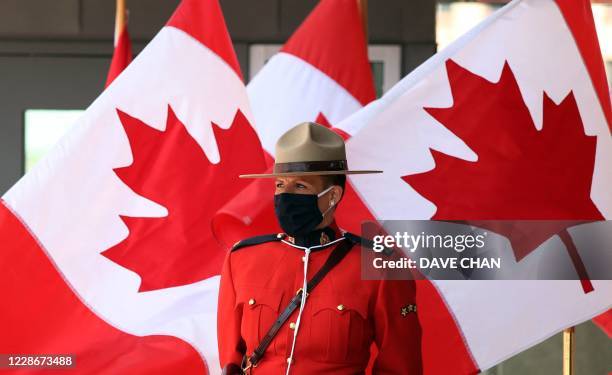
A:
x: 54, y: 57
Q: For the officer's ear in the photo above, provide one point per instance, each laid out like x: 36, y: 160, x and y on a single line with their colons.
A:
x: 336, y: 195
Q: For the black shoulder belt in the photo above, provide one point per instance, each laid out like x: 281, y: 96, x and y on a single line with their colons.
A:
x: 256, y: 240
x: 365, y: 243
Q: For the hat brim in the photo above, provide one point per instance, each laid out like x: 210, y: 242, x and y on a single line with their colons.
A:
x: 309, y: 173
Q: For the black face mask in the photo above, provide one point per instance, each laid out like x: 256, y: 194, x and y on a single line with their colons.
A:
x: 298, y: 214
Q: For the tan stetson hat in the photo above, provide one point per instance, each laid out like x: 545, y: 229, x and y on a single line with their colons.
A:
x: 309, y: 149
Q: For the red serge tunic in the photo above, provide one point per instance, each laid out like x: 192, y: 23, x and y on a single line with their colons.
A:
x: 342, y: 316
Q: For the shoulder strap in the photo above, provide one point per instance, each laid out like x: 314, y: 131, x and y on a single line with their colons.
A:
x: 334, y: 258
x: 256, y: 240
x: 366, y: 243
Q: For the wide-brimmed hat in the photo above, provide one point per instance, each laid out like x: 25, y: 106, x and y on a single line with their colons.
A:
x: 309, y: 149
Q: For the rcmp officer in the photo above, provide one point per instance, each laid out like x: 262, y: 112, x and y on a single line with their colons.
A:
x: 267, y: 324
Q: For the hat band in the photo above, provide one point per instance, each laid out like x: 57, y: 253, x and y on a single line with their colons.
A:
x: 311, y: 166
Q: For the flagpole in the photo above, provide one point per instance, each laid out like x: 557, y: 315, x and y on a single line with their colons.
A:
x: 120, y: 19
x: 568, y: 351
x: 363, y: 11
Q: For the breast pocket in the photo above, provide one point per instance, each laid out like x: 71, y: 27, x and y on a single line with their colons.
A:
x: 260, y: 310
x: 339, y: 330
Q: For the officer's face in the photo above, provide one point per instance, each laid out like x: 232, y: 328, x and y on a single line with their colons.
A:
x: 309, y: 185
x: 299, y: 185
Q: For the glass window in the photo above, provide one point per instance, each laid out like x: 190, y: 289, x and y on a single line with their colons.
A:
x: 454, y: 19
x: 378, y: 74
x: 43, y: 128
x: 386, y: 66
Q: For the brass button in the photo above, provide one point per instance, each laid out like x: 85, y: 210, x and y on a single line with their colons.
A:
x: 251, y: 301
x: 304, y: 258
x: 280, y: 235
x: 292, y: 325
x: 324, y: 238
x: 289, y: 360
x: 340, y: 307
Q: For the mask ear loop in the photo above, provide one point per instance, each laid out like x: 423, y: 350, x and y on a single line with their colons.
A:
x: 324, y: 191
x: 332, y: 202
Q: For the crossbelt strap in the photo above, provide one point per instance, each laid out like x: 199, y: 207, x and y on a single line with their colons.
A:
x: 334, y: 258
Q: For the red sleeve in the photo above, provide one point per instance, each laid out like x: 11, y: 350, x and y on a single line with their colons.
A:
x: 229, y: 316
x: 397, y: 329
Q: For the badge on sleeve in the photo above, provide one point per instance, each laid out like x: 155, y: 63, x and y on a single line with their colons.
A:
x: 408, y: 309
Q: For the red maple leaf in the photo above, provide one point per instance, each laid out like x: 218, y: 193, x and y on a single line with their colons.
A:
x: 521, y: 173
x: 171, y: 169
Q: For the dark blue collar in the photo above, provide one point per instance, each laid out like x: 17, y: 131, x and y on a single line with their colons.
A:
x: 317, y: 237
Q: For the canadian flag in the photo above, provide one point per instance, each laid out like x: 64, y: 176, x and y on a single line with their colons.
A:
x: 122, y: 55
x: 321, y: 74
x: 512, y: 121
x: 106, y: 247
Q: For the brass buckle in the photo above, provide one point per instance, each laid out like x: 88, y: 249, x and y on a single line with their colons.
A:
x: 247, y: 368
x: 301, y: 290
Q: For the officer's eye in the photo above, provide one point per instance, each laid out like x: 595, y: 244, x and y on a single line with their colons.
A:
x: 279, y: 185
x: 300, y: 186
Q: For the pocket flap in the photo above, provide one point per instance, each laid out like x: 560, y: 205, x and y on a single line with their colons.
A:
x: 252, y: 297
x: 340, y: 303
